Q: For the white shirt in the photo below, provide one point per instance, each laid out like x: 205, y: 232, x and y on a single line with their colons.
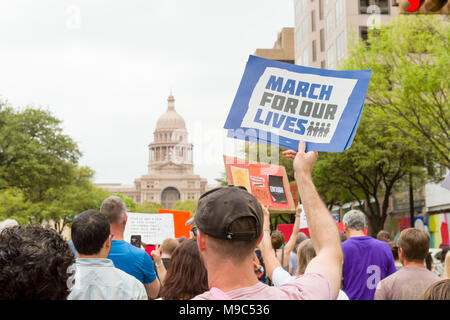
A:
x: 281, y: 276
x: 98, y: 279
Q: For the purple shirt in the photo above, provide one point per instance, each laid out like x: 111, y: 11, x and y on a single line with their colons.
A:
x: 367, y: 261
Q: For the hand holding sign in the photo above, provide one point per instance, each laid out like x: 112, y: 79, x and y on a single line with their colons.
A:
x: 304, y: 161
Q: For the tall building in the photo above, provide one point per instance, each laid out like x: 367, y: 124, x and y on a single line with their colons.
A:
x: 170, y: 175
x: 283, y: 48
x: 325, y: 29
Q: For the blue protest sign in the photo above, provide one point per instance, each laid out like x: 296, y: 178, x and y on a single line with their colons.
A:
x: 279, y: 104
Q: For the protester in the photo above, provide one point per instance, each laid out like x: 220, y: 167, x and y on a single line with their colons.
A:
x: 161, y: 256
x: 413, y: 279
x: 383, y: 236
x: 34, y: 264
x: 439, y: 268
x: 394, y: 249
x: 293, y: 258
x: 439, y: 290
x: 305, y: 253
x: 167, y: 249
x: 282, y: 250
x: 125, y: 256
x: 186, y: 276
x: 230, y: 225
x: 446, y: 274
x: 96, y: 278
x: 366, y: 260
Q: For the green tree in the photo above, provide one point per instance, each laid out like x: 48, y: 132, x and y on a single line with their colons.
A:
x: 409, y: 59
x: 34, y: 153
x: 186, y: 205
x: 148, y: 207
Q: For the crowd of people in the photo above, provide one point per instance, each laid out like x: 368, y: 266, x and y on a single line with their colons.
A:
x: 232, y: 253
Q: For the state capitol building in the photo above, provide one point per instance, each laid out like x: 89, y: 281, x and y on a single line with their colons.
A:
x: 170, y: 175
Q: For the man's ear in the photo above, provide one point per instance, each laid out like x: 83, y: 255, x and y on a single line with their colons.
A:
x: 125, y: 219
x: 201, y: 241
x: 260, y: 238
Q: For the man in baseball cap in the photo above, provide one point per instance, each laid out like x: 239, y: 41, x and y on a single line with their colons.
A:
x: 230, y: 224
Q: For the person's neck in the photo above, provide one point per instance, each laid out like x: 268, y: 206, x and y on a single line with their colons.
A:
x: 355, y: 233
x: 117, y: 231
x: 101, y: 255
x: 415, y: 264
x: 227, y: 276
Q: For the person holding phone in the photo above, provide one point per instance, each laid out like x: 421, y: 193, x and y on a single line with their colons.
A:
x: 125, y: 256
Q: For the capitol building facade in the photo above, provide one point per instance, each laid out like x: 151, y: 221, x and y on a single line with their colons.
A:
x: 170, y: 175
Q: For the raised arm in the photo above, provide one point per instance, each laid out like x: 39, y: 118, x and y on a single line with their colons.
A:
x: 322, y: 227
x: 270, y: 261
x: 293, y: 238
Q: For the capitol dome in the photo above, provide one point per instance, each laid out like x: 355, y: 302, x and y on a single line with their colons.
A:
x: 170, y: 119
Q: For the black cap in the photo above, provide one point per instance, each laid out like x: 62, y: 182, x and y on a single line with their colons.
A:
x: 220, y: 212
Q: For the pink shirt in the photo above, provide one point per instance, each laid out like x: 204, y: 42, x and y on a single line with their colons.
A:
x: 311, y: 286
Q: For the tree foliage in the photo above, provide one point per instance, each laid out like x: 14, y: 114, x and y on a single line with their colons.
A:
x: 186, y: 205
x: 40, y: 179
x: 148, y: 207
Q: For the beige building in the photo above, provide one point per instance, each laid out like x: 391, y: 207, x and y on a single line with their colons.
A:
x: 283, y: 48
x: 170, y: 175
x: 325, y: 29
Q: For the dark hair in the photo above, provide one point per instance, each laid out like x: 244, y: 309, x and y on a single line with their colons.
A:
x: 277, y: 239
x: 439, y: 290
x: 429, y: 261
x: 415, y: 244
x: 394, y: 249
x: 383, y: 236
x: 34, y: 264
x: 443, y: 253
x: 186, y: 275
x: 90, y: 229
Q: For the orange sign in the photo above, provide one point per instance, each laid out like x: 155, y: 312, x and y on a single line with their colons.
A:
x: 179, y: 219
x: 268, y: 183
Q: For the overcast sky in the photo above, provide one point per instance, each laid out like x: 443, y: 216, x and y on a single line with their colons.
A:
x: 106, y: 68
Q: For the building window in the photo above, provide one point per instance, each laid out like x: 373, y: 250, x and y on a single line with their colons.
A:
x: 339, y: 9
x: 340, y: 46
x: 323, y: 64
x: 330, y: 57
x: 322, y: 40
x: 305, y: 57
x: 383, y: 6
x: 321, y: 9
x: 329, y: 24
x: 314, y: 50
x: 313, y: 21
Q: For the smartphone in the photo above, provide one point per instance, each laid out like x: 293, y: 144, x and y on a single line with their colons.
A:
x: 136, y: 240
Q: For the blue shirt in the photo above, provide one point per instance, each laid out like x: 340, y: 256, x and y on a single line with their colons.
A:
x: 367, y: 261
x: 132, y: 260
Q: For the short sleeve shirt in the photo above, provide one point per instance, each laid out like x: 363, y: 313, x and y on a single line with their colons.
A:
x: 367, y: 261
x: 132, y: 260
x: 409, y: 283
x: 311, y: 286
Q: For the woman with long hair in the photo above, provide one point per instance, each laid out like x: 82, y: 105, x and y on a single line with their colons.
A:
x: 186, y: 276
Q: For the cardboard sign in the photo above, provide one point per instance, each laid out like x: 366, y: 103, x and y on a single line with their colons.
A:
x: 179, y: 218
x: 268, y: 183
x: 153, y: 228
x: 280, y: 104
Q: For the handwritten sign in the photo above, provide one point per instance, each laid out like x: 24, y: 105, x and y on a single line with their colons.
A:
x: 153, y: 228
